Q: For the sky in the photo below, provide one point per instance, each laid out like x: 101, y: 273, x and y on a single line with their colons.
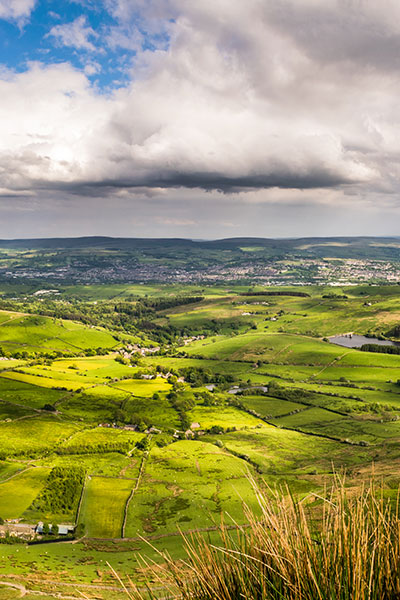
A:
x: 199, y: 118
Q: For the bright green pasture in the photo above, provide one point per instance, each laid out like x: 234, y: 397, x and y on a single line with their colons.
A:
x: 52, y: 334
x: 6, y: 316
x: 273, y: 348
x: 8, y: 410
x: 199, y: 314
x: 223, y: 416
x: 186, y: 485
x: 291, y: 454
x: 323, y: 422
x: 366, y: 375
x: 269, y: 407
x: 120, y: 291
x: 96, y: 405
x: 157, y: 412
x: 228, y: 347
x: 59, y: 377
x: 102, y: 435
x: 368, y: 359
x: 45, y: 382
x: 96, y: 367
x: 36, y: 434
x: 9, y: 363
x: 310, y: 418
x: 143, y: 387
x: 103, y: 506
x: 108, y: 464
x: 346, y: 390
x: 8, y: 469
x: 17, y: 494
x: 107, y: 392
x: 28, y: 395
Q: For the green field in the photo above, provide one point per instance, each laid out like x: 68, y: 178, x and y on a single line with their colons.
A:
x: 103, y: 506
x: 187, y: 484
x: 184, y: 442
x: 17, y: 494
x: 32, y: 331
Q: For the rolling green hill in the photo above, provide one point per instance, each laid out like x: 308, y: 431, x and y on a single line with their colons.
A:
x: 40, y: 334
x: 167, y: 435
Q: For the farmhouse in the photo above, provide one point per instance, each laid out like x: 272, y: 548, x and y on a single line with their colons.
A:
x: 61, y: 529
x: 15, y: 529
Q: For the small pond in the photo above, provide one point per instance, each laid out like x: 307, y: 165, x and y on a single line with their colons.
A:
x: 356, y: 341
x: 236, y: 389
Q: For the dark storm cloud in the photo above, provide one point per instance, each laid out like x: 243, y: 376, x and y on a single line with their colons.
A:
x: 206, y: 181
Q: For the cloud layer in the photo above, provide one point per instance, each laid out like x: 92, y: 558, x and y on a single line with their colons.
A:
x: 16, y: 10
x: 290, y: 94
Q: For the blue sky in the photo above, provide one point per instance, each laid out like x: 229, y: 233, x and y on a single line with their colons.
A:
x: 106, y: 46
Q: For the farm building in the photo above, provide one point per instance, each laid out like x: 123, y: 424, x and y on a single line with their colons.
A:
x: 61, y: 529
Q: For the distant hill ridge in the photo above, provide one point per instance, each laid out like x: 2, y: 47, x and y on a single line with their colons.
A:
x: 237, y: 242
x: 248, y: 248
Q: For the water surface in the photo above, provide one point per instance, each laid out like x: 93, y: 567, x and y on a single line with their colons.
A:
x: 356, y: 341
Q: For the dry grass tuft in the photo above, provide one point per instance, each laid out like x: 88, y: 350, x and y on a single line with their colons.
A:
x: 346, y: 549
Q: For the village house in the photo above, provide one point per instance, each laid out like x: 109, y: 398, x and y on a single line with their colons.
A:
x: 61, y: 529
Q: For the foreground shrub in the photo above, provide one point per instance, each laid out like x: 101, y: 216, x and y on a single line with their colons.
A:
x: 342, y: 546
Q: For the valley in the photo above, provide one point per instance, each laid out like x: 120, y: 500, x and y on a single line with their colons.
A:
x: 132, y: 414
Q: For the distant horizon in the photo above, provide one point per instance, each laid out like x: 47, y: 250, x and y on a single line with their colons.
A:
x: 190, y: 239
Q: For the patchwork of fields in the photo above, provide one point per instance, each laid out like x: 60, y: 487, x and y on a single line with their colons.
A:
x: 171, y: 441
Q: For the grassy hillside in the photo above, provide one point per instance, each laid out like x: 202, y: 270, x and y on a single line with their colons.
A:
x: 36, y: 333
x: 167, y: 440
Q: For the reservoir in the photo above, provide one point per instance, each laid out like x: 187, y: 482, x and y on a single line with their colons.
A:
x: 356, y: 341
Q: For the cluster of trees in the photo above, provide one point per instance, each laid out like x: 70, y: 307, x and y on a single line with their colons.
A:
x: 143, y: 444
x: 182, y: 403
x: 11, y: 539
x: 62, y: 490
x: 146, y: 306
x: 141, y: 422
x: 333, y: 296
x: 380, y: 348
x: 293, y: 394
x: 100, y: 448
x: 218, y: 430
x: 198, y: 376
x: 394, y: 332
x: 207, y: 399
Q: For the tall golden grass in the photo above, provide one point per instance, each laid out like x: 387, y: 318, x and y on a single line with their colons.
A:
x: 346, y: 548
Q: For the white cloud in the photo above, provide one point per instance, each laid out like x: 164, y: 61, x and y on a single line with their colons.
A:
x: 16, y: 10
x: 248, y: 95
x: 92, y: 68
x: 76, y: 34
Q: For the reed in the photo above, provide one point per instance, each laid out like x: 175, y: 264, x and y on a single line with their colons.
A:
x: 346, y: 548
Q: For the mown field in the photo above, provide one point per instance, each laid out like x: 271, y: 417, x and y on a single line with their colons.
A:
x: 167, y: 442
